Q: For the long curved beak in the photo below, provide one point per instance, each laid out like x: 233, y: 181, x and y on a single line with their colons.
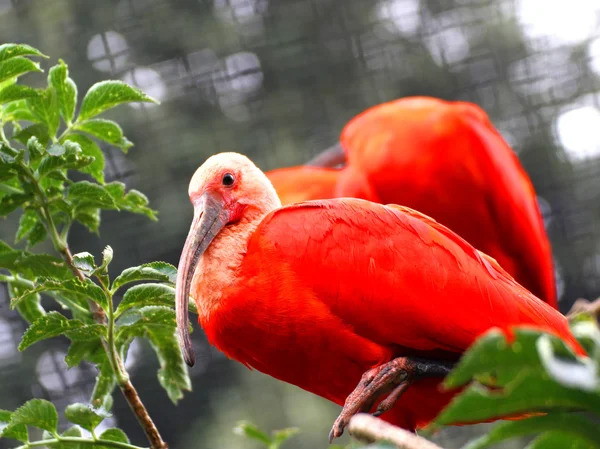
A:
x: 329, y: 158
x: 210, y: 216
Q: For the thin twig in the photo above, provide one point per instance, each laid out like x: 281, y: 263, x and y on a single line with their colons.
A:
x: 368, y: 428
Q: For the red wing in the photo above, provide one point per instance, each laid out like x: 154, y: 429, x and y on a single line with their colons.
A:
x: 397, y: 277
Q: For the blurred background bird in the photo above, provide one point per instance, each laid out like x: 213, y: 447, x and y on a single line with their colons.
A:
x: 446, y: 160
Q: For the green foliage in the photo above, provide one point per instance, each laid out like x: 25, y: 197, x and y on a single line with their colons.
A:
x: 533, y: 373
x: 273, y: 441
x: 50, y: 140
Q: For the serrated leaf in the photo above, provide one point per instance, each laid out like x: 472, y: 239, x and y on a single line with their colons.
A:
x: 114, y: 434
x: 147, y: 295
x: 29, y: 307
x: 87, y: 194
x: 8, y: 51
x: 132, y: 201
x: 9, y: 256
x: 10, y: 155
x: 106, y: 130
x: 39, y: 130
x: 84, y: 262
x: 43, y: 265
x: 576, y: 425
x: 13, y: 431
x: 54, y: 324
x: 17, y: 92
x: 17, y: 111
x: 157, y: 324
x: 108, y: 94
x: 26, y: 224
x: 66, y: 90
x: 45, y: 108
x: 90, y: 149
x: 84, y: 416
x: 250, y: 430
x: 74, y: 286
x: 35, y: 148
x: 153, y: 271
x: 56, y: 150
x: 17, y: 66
x: 105, y: 384
x: 107, y: 257
x: 37, y: 413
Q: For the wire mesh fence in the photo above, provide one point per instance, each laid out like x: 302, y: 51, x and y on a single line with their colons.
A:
x: 277, y: 80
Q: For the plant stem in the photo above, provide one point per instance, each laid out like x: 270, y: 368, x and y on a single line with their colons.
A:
x: 79, y: 440
x: 127, y: 388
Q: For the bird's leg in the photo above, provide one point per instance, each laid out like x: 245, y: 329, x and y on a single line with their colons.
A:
x: 394, y: 378
x: 329, y: 158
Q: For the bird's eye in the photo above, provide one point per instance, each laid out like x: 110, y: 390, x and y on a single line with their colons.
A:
x: 228, y: 179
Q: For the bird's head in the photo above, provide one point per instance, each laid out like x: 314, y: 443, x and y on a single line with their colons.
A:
x: 227, y: 190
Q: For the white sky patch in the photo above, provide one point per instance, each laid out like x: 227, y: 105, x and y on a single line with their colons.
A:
x: 567, y: 22
x: 399, y: 16
x: 577, y: 131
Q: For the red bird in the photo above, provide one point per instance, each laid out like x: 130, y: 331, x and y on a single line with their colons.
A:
x: 322, y: 293
x: 446, y: 160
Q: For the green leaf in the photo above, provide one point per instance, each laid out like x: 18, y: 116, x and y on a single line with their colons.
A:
x: 157, y: 324
x: 9, y: 256
x: 114, y: 434
x: 35, y: 148
x: 17, y: 92
x: 43, y: 265
x: 249, y: 430
x: 13, y: 431
x: 73, y: 286
x: 85, y: 263
x: 16, y: 111
x: 491, y: 354
x: 56, y: 150
x: 37, y: 413
x: 54, y: 324
x: 31, y: 228
x: 107, y: 257
x: 90, y: 149
x: 559, y: 439
x: 15, y: 67
x: 45, y: 108
x: 132, y: 201
x: 87, y: 194
x: 108, y: 94
x: 106, y: 130
x: 154, y: 271
x: 29, y: 307
x: 10, y: 203
x: 573, y: 424
x: 147, y: 295
x: 531, y: 391
x: 8, y: 51
x: 281, y: 436
x: 71, y: 161
x: 89, y: 217
x: 80, y: 349
x: 84, y: 416
x: 105, y: 384
x: 39, y: 130
x: 66, y: 90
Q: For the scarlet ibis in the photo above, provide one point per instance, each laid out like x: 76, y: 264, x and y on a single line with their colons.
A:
x: 323, y: 293
x: 444, y: 159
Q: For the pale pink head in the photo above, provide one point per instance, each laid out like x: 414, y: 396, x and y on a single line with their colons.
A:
x: 227, y: 190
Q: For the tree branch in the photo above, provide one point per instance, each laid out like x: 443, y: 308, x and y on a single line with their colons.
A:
x: 368, y: 428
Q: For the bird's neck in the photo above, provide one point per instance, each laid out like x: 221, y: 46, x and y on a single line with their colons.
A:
x: 218, y: 266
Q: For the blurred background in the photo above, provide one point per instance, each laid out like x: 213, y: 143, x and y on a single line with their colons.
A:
x: 277, y: 80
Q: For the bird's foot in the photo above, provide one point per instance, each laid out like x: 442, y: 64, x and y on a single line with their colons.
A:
x: 394, y: 378
x: 585, y: 306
